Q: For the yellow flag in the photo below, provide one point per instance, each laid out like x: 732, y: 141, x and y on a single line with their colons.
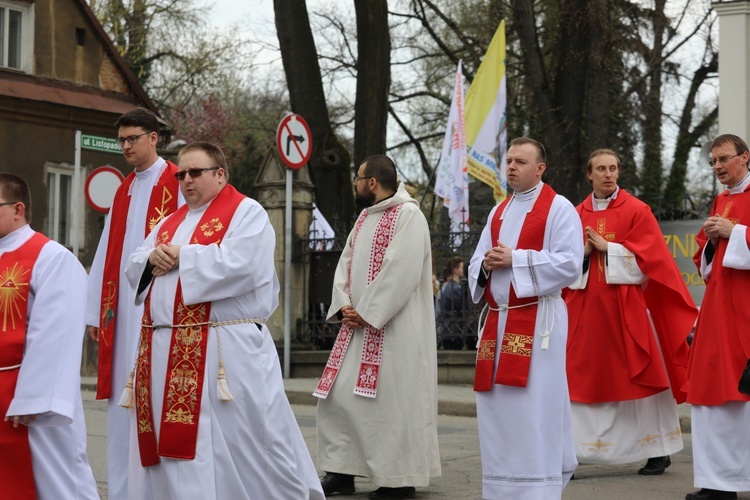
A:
x: 486, y: 133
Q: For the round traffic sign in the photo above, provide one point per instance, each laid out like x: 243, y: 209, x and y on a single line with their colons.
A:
x: 101, y: 186
x: 294, y: 141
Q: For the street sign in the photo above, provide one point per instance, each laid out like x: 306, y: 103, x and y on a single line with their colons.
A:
x: 101, y: 186
x: 99, y: 143
x: 294, y: 141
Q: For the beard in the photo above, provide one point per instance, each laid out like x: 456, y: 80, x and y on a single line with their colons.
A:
x: 364, y: 200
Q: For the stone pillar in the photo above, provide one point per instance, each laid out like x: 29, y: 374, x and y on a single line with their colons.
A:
x: 734, y: 67
x: 271, y: 184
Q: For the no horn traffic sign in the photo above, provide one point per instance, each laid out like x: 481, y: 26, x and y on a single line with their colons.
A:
x: 294, y: 141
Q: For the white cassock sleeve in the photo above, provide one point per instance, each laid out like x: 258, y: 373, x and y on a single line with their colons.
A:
x: 622, y: 267
x: 737, y: 255
x: 401, y: 271
x: 340, y: 293
x: 49, y: 380
x: 475, y: 265
x: 558, y: 263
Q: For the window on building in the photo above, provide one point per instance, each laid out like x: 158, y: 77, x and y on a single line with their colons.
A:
x: 59, y: 204
x: 16, y: 35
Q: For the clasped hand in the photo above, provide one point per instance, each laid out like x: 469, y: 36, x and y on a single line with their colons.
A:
x: 717, y: 227
x: 594, y: 240
x: 498, y: 257
x: 164, y: 258
x: 352, y: 318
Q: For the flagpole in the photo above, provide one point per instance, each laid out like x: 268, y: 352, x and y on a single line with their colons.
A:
x: 429, y: 183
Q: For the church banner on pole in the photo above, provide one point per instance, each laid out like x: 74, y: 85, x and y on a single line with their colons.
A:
x: 452, y: 178
x: 486, y: 132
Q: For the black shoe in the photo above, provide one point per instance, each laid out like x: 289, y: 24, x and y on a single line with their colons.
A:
x: 334, y: 483
x: 403, y: 492
x: 709, y: 494
x: 655, y: 466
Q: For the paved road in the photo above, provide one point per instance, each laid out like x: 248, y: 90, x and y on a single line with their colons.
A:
x: 459, y: 450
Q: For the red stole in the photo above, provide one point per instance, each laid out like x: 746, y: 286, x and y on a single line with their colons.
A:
x: 518, y: 337
x: 372, y: 347
x: 183, y: 387
x: 16, y: 474
x: 625, y: 363
x: 163, y: 202
x: 721, y: 344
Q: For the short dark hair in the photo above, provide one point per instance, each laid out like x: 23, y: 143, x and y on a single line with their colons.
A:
x: 139, y: 117
x: 13, y: 188
x: 541, y: 155
x: 599, y: 152
x: 212, y: 150
x: 383, y: 169
x: 451, y: 265
x: 739, y: 145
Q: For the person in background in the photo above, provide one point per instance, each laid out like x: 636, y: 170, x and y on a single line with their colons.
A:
x: 629, y: 316
x: 720, y: 414
x: 453, y: 304
x: 146, y: 196
x: 530, y: 249
x: 43, y: 432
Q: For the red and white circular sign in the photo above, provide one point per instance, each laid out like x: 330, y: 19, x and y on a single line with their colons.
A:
x: 294, y: 141
x: 101, y: 186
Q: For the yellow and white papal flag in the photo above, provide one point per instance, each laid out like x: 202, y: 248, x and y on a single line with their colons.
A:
x: 452, y: 178
x: 486, y: 133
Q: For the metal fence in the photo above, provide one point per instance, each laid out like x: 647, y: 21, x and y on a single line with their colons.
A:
x: 456, y: 329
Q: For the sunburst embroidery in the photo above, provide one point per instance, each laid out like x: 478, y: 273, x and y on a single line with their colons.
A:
x: 12, y: 294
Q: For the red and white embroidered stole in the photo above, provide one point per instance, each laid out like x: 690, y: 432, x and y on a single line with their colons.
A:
x: 372, y: 347
x: 163, y: 202
x: 183, y: 387
x: 16, y: 474
x: 518, y: 337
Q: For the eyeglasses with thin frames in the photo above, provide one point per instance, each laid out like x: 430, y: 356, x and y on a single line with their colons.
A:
x: 194, y: 172
x: 722, y: 160
x: 131, y: 139
x: 358, y: 178
x: 8, y: 203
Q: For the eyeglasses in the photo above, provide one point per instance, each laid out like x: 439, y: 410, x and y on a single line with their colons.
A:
x: 131, y: 139
x: 722, y: 160
x: 8, y: 203
x: 194, y: 172
x: 357, y: 178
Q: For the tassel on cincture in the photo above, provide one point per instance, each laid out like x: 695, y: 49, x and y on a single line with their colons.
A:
x: 126, y: 398
x: 223, y: 386
x: 545, y: 343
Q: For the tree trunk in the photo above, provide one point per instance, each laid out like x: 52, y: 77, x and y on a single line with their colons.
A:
x: 373, y: 79
x: 330, y: 162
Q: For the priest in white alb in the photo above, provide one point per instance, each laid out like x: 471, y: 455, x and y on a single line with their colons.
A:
x: 210, y: 418
x: 530, y: 249
x: 377, y: 412
x: 43, y: 289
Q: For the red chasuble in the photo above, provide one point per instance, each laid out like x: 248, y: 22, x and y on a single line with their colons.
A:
x: 16, y: 474
x: 612, y: 353
x: 518, y: 338
x: 183, y: 387
x: 163, y: 202
x: 721, y: 343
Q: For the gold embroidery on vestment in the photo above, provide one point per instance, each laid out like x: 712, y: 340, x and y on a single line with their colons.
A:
x: 486, y: 350
x: 599, y: 446
x: 162, y: 212
x: 13, y: 281
x: 515, y: 343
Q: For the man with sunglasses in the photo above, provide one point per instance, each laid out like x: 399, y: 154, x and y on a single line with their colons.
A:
x: 720, y: 414
x: 43, y: 432
x: 145, y: 197
x: 379, y: 418
x: 212, y: 417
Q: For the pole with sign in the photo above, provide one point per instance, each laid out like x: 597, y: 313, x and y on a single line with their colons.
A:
x: 294, y: 143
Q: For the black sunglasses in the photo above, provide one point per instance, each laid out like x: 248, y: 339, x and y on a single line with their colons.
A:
x: 194, y: 172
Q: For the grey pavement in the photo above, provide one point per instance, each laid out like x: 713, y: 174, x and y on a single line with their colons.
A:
x: 459, y: 453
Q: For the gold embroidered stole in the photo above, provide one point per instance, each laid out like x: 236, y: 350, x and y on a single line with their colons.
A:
x: 183, y: 387
x: 518, y: 337
x: 16, y: 474
x: 163, y: 202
